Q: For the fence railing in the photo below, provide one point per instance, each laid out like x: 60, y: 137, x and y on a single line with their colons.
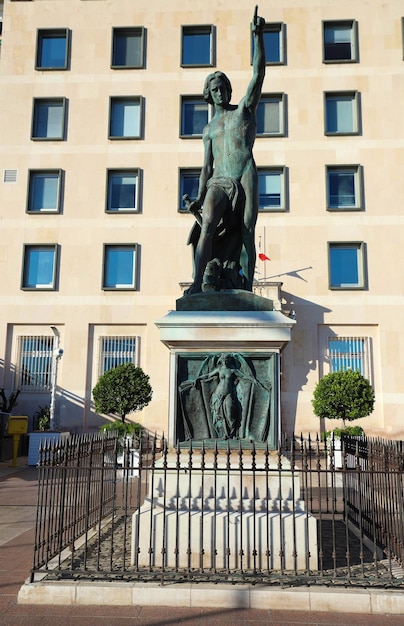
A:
x: 375, y: 492
x: 76, y: 490
x: 138, y: 510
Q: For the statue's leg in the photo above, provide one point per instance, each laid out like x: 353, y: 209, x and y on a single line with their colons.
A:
x: 215, y: 204
x: 231, y: 411
x: 216, y: 405
x: 249, y: 182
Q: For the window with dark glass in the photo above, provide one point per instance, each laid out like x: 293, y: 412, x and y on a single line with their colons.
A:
x: 341, y: 113
x: 194, y: 116
x: 272, y: 189
x: 128, y: 48
x: 119, y: 266
x: 48, y: 120
x: 346, y: 265
x: 39, y: 267
x: 271, y: 115
x: 274, y: 40
x: 125, y: 118
x: 343, y: 187
x: 123, y: 191
x: 340, y: 41
x: 189, y: 185
x: 52, y: 49
x: 197, y: 46
x: 44, y: 191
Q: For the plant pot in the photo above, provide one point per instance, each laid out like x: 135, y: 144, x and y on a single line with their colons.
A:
x: 38, y: 438
x: 133, y: 470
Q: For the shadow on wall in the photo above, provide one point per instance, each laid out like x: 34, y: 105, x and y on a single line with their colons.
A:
x: 73, y: 413
x: 300, y: 357
x: 69, y: 407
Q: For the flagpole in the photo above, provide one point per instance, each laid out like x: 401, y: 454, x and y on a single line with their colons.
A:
x: 256, y: 264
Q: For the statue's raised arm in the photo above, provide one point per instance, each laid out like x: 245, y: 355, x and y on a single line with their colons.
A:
x: 254, y: 88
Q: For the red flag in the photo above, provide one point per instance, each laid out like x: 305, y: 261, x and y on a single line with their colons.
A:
x: 263, y: 257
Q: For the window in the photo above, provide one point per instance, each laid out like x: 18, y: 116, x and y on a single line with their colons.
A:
x: 125, y: 118
x: 189, y: 184
x: 123, y: 191
x: 274, y: 40
x: 340, y: 41
x: 271, y: 115
x: 349, y: 353
x: 194, y: 116
x: 39, y: 267
x: 341, y: 113
x: 119, y: 266
x: 34, y: 362
x: 48, y: 121
x: 346, y: 265
x: 271, y: 189
x: 52, y: 49
x: 128, y: 47
x: 344, y: 187
x: 115, y: 351
x: 197, y: 46
x: 44, y: 191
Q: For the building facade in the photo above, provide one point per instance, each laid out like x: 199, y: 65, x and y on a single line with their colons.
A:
x: 101, y: 117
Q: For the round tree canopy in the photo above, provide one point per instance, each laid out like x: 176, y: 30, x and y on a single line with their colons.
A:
x: 122, y: 390
x: 345, y: 395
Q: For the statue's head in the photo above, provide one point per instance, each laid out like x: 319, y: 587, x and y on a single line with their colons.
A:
x: 219, y: 76
x: 225, y: 359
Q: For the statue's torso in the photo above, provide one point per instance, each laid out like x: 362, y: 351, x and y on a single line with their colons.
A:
x: 232, y: 134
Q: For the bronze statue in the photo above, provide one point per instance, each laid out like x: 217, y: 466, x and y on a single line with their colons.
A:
x: 228, y: 184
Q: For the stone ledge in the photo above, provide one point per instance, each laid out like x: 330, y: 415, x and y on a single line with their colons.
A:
x: 343, y: 600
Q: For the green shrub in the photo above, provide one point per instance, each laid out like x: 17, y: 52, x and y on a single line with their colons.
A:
x: 353, y: 431
x: 42, y: 418
x: 122, y: 390
x: 122, y: 428
x: 344, y: 395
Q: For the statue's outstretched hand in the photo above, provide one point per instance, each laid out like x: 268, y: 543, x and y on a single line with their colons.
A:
x: 258, y: 23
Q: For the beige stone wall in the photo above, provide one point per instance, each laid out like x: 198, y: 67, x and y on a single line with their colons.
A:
x: 296, y: 241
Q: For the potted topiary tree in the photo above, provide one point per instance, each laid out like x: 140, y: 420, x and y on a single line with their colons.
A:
x: 343, y: 395
x: 122, y: 390
x: 119, y: 391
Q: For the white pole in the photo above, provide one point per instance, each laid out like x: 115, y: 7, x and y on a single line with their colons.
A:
x: 56, y: 355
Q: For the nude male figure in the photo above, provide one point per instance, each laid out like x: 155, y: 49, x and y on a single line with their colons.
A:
x: 229, y: 165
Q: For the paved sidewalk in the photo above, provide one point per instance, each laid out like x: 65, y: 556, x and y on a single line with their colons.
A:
x: 17, y: 521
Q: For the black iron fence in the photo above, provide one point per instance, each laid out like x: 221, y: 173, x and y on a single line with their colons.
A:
x: 137, y: 510
x: 375, y: 492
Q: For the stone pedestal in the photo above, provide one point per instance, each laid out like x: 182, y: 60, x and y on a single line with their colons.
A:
x: 234, y: 323
x: 229, y: 515
x: 204, y: 510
